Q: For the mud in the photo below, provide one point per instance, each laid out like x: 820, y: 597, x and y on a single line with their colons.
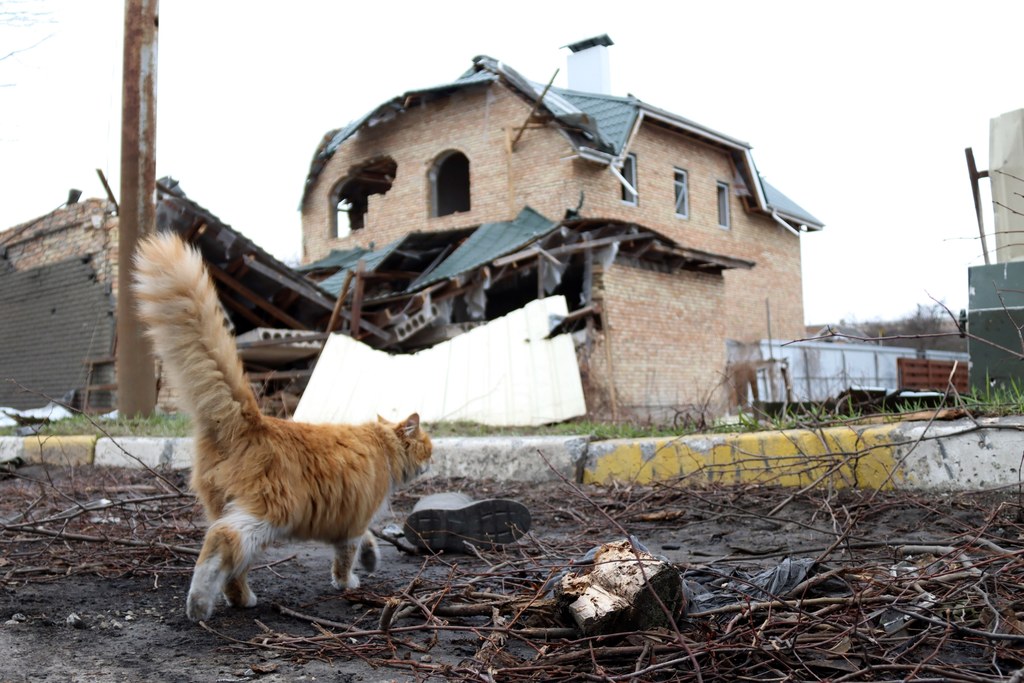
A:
x: 76, y: 607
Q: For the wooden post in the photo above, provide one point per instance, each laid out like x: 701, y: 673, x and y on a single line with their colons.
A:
x: 136, y: 373
x: 336, y: 313
x: 357, y: 299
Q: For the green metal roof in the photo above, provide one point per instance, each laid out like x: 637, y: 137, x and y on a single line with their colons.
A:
x: 785, y: 205
x: 371, y: 259
x: 338, y: 258
x: 614, y: 116
x: 488, y: 242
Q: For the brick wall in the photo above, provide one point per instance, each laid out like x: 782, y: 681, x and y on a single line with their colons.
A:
x: 86, y: 229
x: 58, y: 277
x: 662, y: 345
x: 477, y: 123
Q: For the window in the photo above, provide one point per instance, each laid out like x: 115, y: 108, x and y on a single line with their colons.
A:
x: 682, y: 194
x: 350, y: 210
x: 449, y: 184
x: 629, y: 173
x: 723, y: 205
x: 350, y: 199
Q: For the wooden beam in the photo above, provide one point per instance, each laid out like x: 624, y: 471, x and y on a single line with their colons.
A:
x: 972, y: 170
x: 257, y: 300
x: 357, y: 298
x: 336, y: 312
x: 536, y: 104
x: 534, y: 250
x: 306, y: 292
x: 106, y: 187
x: 243, y: 311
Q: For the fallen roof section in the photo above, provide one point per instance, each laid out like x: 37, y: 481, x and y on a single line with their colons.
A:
x: 257, y: 290
x: 428, y: 287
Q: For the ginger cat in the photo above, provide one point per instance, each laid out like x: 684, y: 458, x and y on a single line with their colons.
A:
x: 259, y: 478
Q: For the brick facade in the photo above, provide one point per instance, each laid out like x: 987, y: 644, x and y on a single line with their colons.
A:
x: 58, y: 275
x: 667, y: 331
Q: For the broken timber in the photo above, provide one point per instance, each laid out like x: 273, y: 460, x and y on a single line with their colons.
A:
x: 627, y: 589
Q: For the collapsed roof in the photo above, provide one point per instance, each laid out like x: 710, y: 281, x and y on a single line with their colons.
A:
x: 257, y: 290
x: 427, y: 287
x: 599, y: 127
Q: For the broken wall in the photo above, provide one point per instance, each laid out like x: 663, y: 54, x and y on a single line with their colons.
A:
x: 58, y: 278
x: 480, y: 123
x: 662, y: 346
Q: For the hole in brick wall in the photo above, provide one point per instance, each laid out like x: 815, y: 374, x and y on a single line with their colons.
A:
x: 350, y: 198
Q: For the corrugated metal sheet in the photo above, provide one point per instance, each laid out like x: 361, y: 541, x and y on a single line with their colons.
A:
x: 503, y: 373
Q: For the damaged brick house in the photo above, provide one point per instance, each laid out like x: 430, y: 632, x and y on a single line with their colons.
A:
x: 449, y: 206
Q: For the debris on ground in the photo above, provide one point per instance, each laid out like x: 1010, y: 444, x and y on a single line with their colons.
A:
x: 760, y: 583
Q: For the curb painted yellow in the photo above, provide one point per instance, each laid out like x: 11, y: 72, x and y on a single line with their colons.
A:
x: 60, y: 450
x: 865, y: 457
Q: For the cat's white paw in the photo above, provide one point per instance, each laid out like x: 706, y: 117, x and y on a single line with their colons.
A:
x: 199, y: 606
x: 350, y: 584
x: 250, y: 601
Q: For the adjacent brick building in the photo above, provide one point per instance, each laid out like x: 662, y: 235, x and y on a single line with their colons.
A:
x: 58, y: 279
x: 479, y: 149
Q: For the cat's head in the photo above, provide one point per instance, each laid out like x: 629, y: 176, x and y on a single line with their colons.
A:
x: 416, y: 448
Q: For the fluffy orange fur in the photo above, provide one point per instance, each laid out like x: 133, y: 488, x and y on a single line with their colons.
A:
x: 260, y: 478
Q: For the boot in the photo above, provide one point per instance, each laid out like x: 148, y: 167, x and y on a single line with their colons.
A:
x: 447, y: 521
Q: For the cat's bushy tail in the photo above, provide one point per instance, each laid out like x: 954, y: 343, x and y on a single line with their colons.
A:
x: 179, y: 305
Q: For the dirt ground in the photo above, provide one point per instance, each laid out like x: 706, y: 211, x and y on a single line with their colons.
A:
x: 903, y: 587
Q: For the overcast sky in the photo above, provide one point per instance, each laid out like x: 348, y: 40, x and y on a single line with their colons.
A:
x: 860, y: 112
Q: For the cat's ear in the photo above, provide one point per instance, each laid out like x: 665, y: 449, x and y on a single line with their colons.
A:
x: 382, y: 420
x: 411, y: 426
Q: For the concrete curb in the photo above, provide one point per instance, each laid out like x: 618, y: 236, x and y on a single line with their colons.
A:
x: 141, y: 451
x: 960, y: 455
x: 519, y: 458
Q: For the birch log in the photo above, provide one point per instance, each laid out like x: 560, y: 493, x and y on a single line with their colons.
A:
x: 625, y: 590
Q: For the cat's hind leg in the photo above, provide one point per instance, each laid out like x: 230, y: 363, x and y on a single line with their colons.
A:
x: 369, y: 553
x: 217, y: 561
x: 232, y: 544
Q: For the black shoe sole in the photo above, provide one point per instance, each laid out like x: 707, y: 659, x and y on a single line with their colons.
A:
x: 485, y: 524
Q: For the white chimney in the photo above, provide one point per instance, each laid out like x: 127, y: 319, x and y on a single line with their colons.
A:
x: 588, y: 65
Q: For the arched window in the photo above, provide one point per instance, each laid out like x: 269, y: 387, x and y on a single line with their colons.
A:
x: 449, y: 184
x: 350, y: 198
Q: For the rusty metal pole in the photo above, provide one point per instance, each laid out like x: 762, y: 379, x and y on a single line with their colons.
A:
x: 136, y: 375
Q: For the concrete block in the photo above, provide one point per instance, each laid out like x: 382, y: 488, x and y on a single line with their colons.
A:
x: 141, y: 451
x: 130, y: 451
x: 59, y: 450
x: 182, y: 453
x: 11, y: 449
x: 840, y: 456
x: 527, y: 458
x: 962, y: 455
